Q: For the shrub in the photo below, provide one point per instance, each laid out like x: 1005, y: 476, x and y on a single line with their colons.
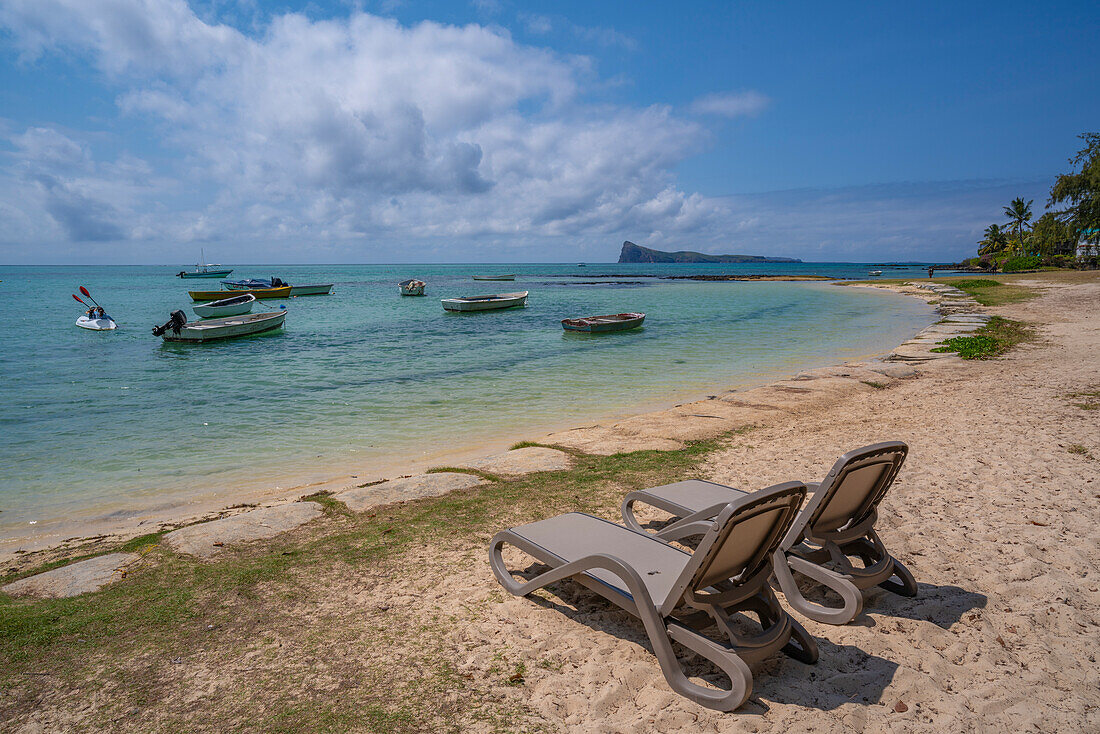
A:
x: 1020, y: 262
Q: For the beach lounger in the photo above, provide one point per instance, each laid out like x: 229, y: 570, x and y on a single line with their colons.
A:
x: 678, y: 594
x: 836, y: 525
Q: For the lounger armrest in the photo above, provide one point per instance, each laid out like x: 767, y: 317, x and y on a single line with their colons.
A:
x: 784, y: 564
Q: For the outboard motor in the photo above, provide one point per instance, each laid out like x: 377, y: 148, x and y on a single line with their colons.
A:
x: 175, y: 323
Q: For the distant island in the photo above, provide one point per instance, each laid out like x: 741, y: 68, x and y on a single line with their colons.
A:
x: 636, y: 254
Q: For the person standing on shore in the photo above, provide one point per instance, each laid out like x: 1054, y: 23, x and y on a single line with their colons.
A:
x: 931, y: 269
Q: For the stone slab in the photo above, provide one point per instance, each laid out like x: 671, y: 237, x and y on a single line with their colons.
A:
x: 77, y: 578
x: 524, y: 461
x: 359, y: 499
x: 208, y: 538
x: 897, y: 371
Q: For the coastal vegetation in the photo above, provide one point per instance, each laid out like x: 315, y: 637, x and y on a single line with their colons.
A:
x: 127, y: 640
x: 632, y: 253
x: 992, y: 340
x: 1073, y: 217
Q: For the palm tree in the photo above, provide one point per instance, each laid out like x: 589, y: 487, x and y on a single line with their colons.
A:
x: 994, y: 241
x: 1019, y: 214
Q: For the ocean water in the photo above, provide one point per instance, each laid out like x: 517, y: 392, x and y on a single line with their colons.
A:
x: 98, y: 423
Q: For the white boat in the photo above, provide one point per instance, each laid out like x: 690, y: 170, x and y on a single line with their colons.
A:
x: 511, y: 276
x: 875, y: 272
x: 486, y: 303
x: 234, y: 306
x: 205, y: 270
x: 319, y: 289
x: 178, y: 329
x: 412, y: 287
x: 104, y: 324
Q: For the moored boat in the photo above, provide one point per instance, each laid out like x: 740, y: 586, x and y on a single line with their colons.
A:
x: 104, y: 324
x: 486, y: 303
x: 602, y: 324
x: 875, y: 272
x: 283, y: 292
x: 205, y: 270
x: 235, y: 305
x: 178, y: 329
x: 317, y: 289
x: 412, y: 287
x: 511, y: 276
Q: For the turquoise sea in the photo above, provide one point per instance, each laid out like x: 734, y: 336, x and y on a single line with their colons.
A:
x: 113, y: 422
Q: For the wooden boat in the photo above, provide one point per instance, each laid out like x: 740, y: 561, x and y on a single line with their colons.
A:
x: 104, y: 324
x: 232, y: 306
x: 249, y: 284
x: 214, y: 329
x: 486, y: 303
x: 283, y: 292
x: 495, y: 277
x: 412, y: 287
x: 205, y: 270
x: 602, y: 324
x: 319, y: 289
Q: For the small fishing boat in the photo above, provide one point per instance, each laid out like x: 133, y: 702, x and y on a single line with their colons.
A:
x: 875, y: 272
x: 486, y: 303
x: 252, y: 283
x: 283, y: 292
x: 205, y: 270
x: 602, y: 324
x: 318, y: 289
x: 233, y: 306
x: 178, y: 329
x: 104, y: 324
x: 412, y: 287
x: 511, y: 276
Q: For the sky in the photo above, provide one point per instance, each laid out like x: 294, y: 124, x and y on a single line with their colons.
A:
x: 396, y: 131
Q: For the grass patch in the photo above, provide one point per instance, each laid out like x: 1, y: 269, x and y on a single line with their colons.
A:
x: 992, y: 340
x: 1088, y: 400
x: 876, y: 385
x: 132, y: 643
x: 989, y: 292
x: 329, y: 504
x: 1079, y: 450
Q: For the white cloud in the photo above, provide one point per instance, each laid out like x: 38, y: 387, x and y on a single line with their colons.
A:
x: 361, y: 127
x: 731, y: 104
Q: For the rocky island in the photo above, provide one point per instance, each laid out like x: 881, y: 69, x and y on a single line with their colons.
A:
x: 632, y: 253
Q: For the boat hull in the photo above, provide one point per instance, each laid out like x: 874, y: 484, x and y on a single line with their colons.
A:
x: 486, y: 303
x: 226, y: 328
x: 96, y: 324
x: 220, y: 309
x: 206, y: 274
x: 322, y: 289
x: 604, y: 324
x: 258, y: 292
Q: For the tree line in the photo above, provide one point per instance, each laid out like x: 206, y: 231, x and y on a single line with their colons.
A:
x: 1072, y: 216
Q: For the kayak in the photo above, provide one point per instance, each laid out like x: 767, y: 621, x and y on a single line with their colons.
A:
x: 104, y: 324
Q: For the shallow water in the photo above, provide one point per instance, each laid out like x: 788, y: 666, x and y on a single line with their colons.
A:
x: 104, y: 422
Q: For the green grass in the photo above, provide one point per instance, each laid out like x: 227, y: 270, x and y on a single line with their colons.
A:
x: 1086, y: 400
x: 876, y: 385
x: 463, y: 470
x: 124, y: 638
x: 1079, y: 450
x: 992, y: 340
x: 989, y: 292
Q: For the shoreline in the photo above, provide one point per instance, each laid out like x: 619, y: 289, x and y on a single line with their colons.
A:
x: 58, y: 538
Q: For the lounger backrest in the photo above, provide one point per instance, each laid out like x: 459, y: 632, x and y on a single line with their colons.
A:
x: 854, y: 487
x: 742, y: 540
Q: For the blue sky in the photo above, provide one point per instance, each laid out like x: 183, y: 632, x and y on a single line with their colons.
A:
x: 141, y: 130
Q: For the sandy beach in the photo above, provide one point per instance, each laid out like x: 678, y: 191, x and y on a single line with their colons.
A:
x: 389, y: 619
